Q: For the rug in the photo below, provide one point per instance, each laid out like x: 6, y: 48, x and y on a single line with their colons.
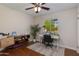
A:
x: 15, y: 46
x: 47, y: 51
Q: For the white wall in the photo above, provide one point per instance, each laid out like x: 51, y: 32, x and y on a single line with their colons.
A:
x: 12, y: 20
x: 67, y: 26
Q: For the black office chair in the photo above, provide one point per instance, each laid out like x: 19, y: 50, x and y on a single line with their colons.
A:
x: 47, y: 40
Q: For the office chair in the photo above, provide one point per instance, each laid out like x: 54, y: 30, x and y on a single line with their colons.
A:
x: 47, y: 40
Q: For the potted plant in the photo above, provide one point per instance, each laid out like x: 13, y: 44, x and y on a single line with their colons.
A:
x: 34, y: 30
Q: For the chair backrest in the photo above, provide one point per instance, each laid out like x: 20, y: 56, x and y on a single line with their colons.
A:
x: 47, y: 38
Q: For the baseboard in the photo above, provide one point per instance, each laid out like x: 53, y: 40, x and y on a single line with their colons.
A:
x: 68, y: 47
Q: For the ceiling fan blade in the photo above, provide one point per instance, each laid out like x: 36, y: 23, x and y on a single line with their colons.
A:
x: 45, y: 8
x: 29, y: 8
x: 34, y: 3
x: 42, y: 3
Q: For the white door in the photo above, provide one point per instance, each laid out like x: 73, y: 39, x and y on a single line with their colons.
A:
x: 78, y: 30
x: 78, y: 35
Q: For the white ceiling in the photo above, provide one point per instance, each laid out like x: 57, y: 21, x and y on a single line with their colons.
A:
x: 54, y: 7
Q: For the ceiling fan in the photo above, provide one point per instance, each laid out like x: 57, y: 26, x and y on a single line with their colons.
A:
x: 37, y: 7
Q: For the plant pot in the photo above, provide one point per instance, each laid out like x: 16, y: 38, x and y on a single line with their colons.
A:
x: 34, y: 40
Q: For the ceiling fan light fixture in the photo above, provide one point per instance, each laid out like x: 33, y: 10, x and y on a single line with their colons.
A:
x: 39, y: 9
x: 35, y: 9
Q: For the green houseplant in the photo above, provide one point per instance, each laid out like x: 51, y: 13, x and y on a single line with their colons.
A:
x: 34, y: 30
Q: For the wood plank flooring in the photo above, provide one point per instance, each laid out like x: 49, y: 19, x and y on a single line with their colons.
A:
x: 69, y: 52
x: 23, y: 51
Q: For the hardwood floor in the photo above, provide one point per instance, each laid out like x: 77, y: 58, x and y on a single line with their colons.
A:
x: 23, y: 51
x: 69, y: 52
